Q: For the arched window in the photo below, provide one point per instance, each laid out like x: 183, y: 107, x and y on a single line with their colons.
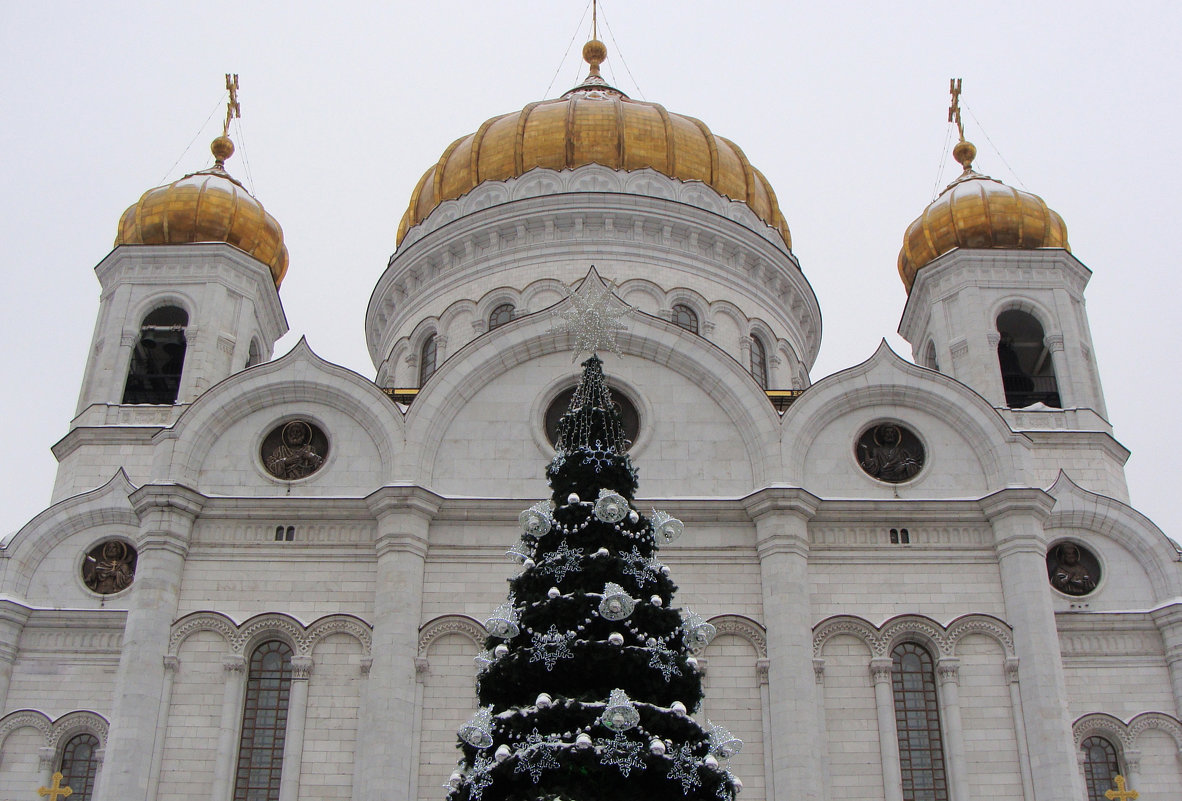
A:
x: 929, y: 357
x: 917, y: 717
x: 1100, y: 766
x: 759, y: 362
x: 685, y: 317
x: 1027, y: 372
x: 427, y: 355
x: 159, y: 355
x: 254, y: 355
x: 79, y: 765
x: 500, y: 315
x: 264, y: 723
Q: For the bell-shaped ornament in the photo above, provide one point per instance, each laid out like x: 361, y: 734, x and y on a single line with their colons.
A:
x: 611, y: 507
x: 477, y: 732
x: 666, y: 528
x: 696, y: 632
x: 537, y: 519
x: 723, y: 744
x: 616, y: 604
x: 620, y: 714
x: 520, y: 552
x: 483, y: 659
x: 503, y: 622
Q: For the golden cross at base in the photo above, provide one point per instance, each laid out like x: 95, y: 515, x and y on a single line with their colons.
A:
x: 1120, y: 793
x: 954, y: 109
x: 56, y: 790
x: 232, y: 108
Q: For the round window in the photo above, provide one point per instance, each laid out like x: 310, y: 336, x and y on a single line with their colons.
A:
x: 628, y: 414
x: 1072, y: 568
x: 109, y: 567
x: 890, y: 452
x: 294, y: 450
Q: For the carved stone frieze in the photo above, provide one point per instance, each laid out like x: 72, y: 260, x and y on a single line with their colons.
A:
x: 1127, y: 734
x: 944, y: 639
x: 239, y: 638
x: 743, y: 627
x: 450, y: 624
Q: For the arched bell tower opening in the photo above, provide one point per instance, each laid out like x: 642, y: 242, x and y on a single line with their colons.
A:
x: 158, y: 358
x: 1027, y: 368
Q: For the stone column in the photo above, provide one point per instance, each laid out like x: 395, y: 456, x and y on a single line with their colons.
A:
x: 1017, y: 517
x: 45, y: 766
x: 1169, y: 622
x: 166, y: 513
x: 1011, y: 668
x: 881, y: 668
x: 781, y: 517
x: 823, y: 725
x: 226, y: 758
x: 171, y: 663
x: 297, y: 716
x: 948, y: 671
x: 403, y: 515
x: 13, y: 616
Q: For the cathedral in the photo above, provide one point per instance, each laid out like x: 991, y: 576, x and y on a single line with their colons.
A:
x: 266, y: 578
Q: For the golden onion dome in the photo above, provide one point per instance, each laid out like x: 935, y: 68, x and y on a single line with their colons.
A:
x: 978, y: 212
x: 594, y: 123
x: 206, y: 206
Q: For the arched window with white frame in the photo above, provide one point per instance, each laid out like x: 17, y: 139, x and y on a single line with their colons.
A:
x: 917, y: 719
x: 428, y: 354
x: 759, y: 362
x: 79, y: 765
x: 685, y: 317
x: 1101, y: 765
x: 264, y: 723
x: 500, y: 315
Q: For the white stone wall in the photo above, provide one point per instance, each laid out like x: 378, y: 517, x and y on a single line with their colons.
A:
x: 331, y: 731
x: 191, y: 740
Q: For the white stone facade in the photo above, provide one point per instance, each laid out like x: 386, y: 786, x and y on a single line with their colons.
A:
x: 811, y: 569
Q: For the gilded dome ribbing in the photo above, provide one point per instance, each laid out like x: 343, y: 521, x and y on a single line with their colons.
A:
x: 206, y: 206
x: 976, y: 211
x: 594, y: 123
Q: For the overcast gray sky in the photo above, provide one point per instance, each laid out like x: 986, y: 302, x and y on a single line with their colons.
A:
x: 841, y: 105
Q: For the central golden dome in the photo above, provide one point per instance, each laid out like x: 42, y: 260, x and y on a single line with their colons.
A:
x: 594, y: 123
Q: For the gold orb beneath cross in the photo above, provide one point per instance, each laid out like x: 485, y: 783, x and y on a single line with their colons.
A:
x: 222, y: 148
x: 594, y: 52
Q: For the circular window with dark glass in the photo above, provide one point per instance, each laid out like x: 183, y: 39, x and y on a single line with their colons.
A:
x: 890, y: 452
x: 294, y: 450
x: 1072, y: 568
x: 109, y: 567
x: 628, y: 414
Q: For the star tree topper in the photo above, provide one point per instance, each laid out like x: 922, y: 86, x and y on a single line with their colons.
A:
x: 592, y: 316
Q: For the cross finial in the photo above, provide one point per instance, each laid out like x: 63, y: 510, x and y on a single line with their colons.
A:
x: 55, y: 790
x: 232, y: 108
x: 954, y: 109
x: 1120, y: 793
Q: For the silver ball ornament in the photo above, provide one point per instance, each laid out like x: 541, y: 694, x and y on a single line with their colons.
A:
x: 665, y: 570
x: 692, y: 662
x: 553, y: 592
x: 678, y: 709
x: 710, y: 761
x: 633, y: 516
x: 502, y: 753
x: 603, y: 552
x: 657, y: 746
x: 528, y: 564
x: 615, y: 638
x: 738, y: 785
x: 544, y: 700
x: 455, y: 779
x: 583, y: 740
x: 572, y: 498
x: 501, y: 650
x: 655, y: 600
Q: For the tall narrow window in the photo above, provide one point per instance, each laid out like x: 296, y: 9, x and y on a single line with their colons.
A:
x: 1100, y: 766
x: 929, y: 357
x: 159, y: 355
x: 759, y: 362
x: 427, y: 355
x: 264, y: 723
x: 254, y: 355
x: 1027, y: 371
x: 685, y: 317
x: 917, y: 717
x: 79, y: 765
x: 500, y: 315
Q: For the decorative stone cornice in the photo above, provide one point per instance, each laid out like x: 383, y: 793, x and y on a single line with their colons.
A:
x: 301, y: 668
x: 880, y: 669
x: 1017, y: 501
x: 792, y: 501
x: 169, y: 498
x: 395, y: 498
x: 234, y: 663
x: 240, y: 638
x: 948, y: 670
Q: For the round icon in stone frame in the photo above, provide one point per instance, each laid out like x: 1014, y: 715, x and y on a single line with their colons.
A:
x: 890, y: 452
x: 109, y: 567
x: 1072, y: 569
x: 293, y: 450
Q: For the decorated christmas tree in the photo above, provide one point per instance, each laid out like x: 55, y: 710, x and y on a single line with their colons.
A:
x: 589, y: 677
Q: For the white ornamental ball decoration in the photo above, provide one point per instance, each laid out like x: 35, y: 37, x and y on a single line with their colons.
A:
x: 710, y: 761
x: 536, y: 520
x: 573, y: 498
x: 528, y: 564
x: 616, y: 604
x: 603, y: 552
x: 665, y: 570
x: 692, y: 662
x: 611, y: 507
x: 615, y: 638
x: 655, y: 600
x: 666, y: 528
x: 553, y: 592
x: 633, y: 516
x: 738, y: 785
x: 583, y: 740
x: 501, y: 650
x: 620, y: 714
x: 657, y: 746
x: 455, y: 779
x: 544, y: 701
x: 678, y: 709
x: 502, y: 753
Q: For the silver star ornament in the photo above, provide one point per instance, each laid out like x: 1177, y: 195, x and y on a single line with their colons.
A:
x: 592, y: 316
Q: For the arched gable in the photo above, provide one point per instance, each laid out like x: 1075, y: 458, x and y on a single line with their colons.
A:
x: 941, y: 640
x: 240, y: 639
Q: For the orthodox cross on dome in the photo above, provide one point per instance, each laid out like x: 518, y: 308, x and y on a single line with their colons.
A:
x: 55, y: 790
x: 232, y: 108
x: 591, y: 314
x: 965, y: 151
x: 1120, y: 793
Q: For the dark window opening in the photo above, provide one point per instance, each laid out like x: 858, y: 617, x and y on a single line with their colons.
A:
x: 79, y: 765
x: 500, y: 315
x: 158, y: 357
x: 1100, y: 767
x: 685, y: 317
x: 264, y: 723
x: 427, y: 355
x: 254, y: 355
x: 900, y: 536
x: 1027, y: 370
x: 759, y: 362
x: 284, y: 533
x: 917, y: 717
